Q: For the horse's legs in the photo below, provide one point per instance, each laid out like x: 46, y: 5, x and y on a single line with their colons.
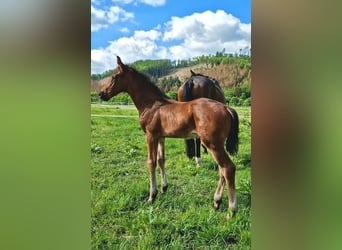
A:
x: 190, y: 148
x: 152, y: 145
x: 161, y: 163
x: 227, y: 174
x: 198, y: 152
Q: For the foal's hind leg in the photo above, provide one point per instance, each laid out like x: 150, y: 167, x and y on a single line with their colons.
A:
x: 161, y: 163
x: 219, y: 190
x: 227, y: 174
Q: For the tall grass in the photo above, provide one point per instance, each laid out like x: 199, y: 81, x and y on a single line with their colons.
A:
x: 183, y: 217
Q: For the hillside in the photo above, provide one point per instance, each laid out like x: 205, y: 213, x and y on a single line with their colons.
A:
x: 95, y: 85
x: 226, y: 74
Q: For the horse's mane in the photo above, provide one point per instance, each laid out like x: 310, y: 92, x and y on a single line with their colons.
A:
x: 213, y: 80
x: 216, y: 83
x: 198, y: 74
x: 146, y: 80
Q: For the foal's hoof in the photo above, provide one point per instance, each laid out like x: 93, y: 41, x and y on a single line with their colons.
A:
x: 230, y: 214
x: 163, y: 189
x: 152, y: 198
x: 217, y: 204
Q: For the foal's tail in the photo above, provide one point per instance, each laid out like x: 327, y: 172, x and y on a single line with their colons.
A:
x: 232, y: 142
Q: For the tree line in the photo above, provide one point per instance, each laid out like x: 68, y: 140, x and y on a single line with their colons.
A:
x: 161, y: 67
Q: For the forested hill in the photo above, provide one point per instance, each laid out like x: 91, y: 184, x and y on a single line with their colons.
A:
x: 229, y: 70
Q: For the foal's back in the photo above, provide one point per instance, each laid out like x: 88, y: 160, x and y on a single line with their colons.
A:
x: 211, y: 117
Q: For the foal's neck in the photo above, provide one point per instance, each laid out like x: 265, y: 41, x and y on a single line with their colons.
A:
x: 145, y: 94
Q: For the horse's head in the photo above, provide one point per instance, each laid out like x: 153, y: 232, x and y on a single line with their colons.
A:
x: 117, y: 82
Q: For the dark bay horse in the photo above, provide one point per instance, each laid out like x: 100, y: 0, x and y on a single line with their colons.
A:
x: 196, y: 87
x: 161, y: 117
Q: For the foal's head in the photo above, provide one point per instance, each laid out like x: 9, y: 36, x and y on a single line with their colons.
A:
x: 117, y: 82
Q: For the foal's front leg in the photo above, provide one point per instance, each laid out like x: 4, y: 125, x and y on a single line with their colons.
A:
x: 152, y: 146
x: 161, y: 163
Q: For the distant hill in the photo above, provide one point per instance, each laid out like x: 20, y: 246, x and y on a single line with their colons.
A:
x: 226, y: 75
x: 97, y: 84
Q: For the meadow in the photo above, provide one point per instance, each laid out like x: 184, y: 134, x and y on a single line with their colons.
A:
x: 181, y: 218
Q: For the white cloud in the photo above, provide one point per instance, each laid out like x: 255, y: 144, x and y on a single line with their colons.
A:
x: 206, y: 32
x: 190, y: 36
x: 142, y: 45
x: 103, y: 18
x: 98, y: 19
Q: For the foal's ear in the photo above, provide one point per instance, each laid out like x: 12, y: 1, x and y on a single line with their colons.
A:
x: 192, y: 73
x: 119, y: 62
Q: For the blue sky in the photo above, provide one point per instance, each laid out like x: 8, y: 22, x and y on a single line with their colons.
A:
x: 172, y: 29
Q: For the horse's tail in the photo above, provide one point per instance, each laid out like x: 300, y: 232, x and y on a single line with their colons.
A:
x: 232, y: 142
x: 187, y: 90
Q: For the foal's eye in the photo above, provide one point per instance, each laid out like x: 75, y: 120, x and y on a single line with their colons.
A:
x: 114, y: 79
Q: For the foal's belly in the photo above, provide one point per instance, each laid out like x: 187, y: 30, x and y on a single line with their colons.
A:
x: 174, y: 132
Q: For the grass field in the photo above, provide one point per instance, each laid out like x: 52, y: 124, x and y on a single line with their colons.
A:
x: 183, y: 217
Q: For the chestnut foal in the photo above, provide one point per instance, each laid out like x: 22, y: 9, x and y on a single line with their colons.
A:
x: 160, y: 117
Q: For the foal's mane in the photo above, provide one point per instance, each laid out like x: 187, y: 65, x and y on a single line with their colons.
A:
x: 147, y: 82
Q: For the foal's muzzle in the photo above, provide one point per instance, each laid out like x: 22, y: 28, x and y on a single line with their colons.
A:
x: 103, y: 96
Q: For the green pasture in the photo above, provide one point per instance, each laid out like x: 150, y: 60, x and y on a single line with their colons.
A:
x: 183, y: 217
